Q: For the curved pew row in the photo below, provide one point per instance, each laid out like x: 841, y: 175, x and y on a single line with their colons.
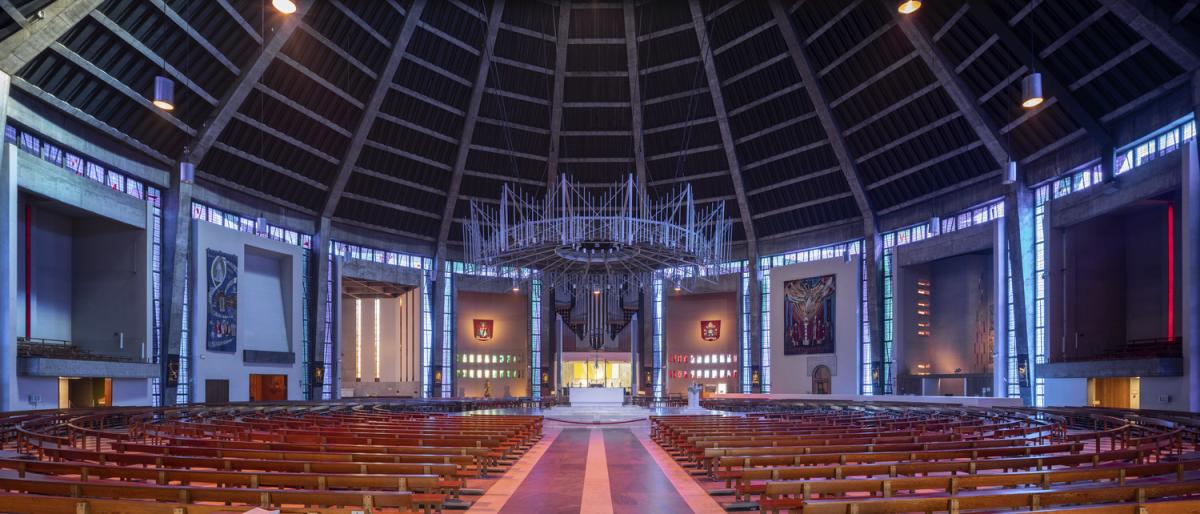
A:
x: 824, y: 457
x: 294, y: 457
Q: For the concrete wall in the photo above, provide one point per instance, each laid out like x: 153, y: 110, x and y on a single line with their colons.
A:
x: 1164, y: 393
x: 131, y: 392
x: 1066, y: 392
x: 682, y: 330
x: 44, y: 387
x: 510, y: 313
x: 50, y: 305
x: 1108, y: 283
x: 792, y: 373
x: 267, y: 293
x: 961, y: 306
x: 111, y: 260
x: 399, y: 346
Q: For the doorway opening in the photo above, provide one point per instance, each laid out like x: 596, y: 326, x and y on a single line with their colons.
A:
x: 84, y: 392
x: 1116, y: 392
x: 268, y: 388
x: 822, y: 380
x: 216, y: 391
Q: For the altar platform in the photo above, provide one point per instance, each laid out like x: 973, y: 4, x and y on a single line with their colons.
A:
x: 597, y: 396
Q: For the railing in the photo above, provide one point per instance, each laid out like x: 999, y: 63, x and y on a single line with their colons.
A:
x: 61, y: 349
x: 1154, y: 348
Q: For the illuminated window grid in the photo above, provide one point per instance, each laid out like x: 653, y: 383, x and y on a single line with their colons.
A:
x: 154, y: 198
x: 1013, y: 386
x: 357, y: 340
x: 376, y: 339
x: 448, y: 329
x: 765, y: 293
x: 427, y: 333
x: 183, y: 394
x: 535, y: 338
x: 657, y: 372
x: 865, y: 384
x: 888, y: 315
x: 1041, y: 198
x: 745, y: 337
x: 327, y: 344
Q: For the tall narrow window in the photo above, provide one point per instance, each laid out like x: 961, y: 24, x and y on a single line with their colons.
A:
x: 658, y: 338
x: 357, y: 340
x: 376, y: 339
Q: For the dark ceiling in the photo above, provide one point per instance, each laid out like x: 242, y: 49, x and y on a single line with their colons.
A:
x: 890, y: 125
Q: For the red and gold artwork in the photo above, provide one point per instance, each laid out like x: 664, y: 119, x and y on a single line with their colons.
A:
x: 484, y: 329
x: 710, y: 329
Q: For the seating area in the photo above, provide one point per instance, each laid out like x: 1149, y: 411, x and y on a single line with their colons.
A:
x: 863, y: 458
x: 383, y: 457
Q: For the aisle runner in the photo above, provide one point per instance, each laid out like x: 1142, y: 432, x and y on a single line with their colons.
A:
x: 554, y: 485
x: 596, y: 471
x: 638, y: 483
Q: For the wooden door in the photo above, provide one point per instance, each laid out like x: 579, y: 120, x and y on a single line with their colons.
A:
x: 216, y: 391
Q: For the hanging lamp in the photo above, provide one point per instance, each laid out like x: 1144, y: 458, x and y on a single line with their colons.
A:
x: 1031, y: 90
x: 909, y: 6
x: 284, y: 6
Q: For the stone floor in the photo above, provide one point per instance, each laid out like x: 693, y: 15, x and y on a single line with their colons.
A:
x: 607, y: 467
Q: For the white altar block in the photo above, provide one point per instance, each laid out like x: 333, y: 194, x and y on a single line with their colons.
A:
x: 597, y: 396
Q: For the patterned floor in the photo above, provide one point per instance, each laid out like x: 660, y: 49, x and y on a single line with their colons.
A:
x: 587, y: 469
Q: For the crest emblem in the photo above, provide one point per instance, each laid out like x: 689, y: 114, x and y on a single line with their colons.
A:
x: 710, y: 329
x: 484, y: 329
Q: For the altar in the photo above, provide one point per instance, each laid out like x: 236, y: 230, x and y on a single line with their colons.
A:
x: 597, y: 396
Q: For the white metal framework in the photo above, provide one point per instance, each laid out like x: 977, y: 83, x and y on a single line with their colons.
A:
x: 602, y: 238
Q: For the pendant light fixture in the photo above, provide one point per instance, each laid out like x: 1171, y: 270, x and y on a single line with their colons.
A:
x: 909, y: 6
x: 187, y: 172
x: 1031, y: 90
x: 516, y: 286
x: 164, y: 93
x: 284, y: 6
x: 1010, y: 172
x: 260, y: 225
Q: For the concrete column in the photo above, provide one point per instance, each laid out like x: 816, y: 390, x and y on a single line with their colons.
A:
x: 1000, y: 317
x: 873, y: 252
x: 1190, y: 266
x: 755, y: 306
x: 321, y: 251
x: 434, y: 387
x: 8, y: 260
x: 1018, y: 228
x: 177, y: 234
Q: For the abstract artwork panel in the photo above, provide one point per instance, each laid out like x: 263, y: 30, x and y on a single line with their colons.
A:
x: 809, y: 315
x: 221, y: 330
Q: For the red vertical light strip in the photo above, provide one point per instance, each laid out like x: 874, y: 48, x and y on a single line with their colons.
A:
x: 1170, y: 271
x: 28, y: 266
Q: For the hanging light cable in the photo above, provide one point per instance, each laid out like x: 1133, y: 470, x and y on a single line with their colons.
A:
x: 1031, y: 85
x: 164, y: 88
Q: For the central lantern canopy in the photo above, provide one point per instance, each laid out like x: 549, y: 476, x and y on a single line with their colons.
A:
x: 598, y: 245
x: 598, y: 237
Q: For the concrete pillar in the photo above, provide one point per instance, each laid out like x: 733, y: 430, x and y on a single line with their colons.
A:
x: 1018, y: 228
x: 434, y: 387
x: 873, y: 253
x: 1190, y: 266
x: 177, y: 235
x: 755, y: 306
x: 1000, y: 317
x: 321, y: 251
x: 8, y: 260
